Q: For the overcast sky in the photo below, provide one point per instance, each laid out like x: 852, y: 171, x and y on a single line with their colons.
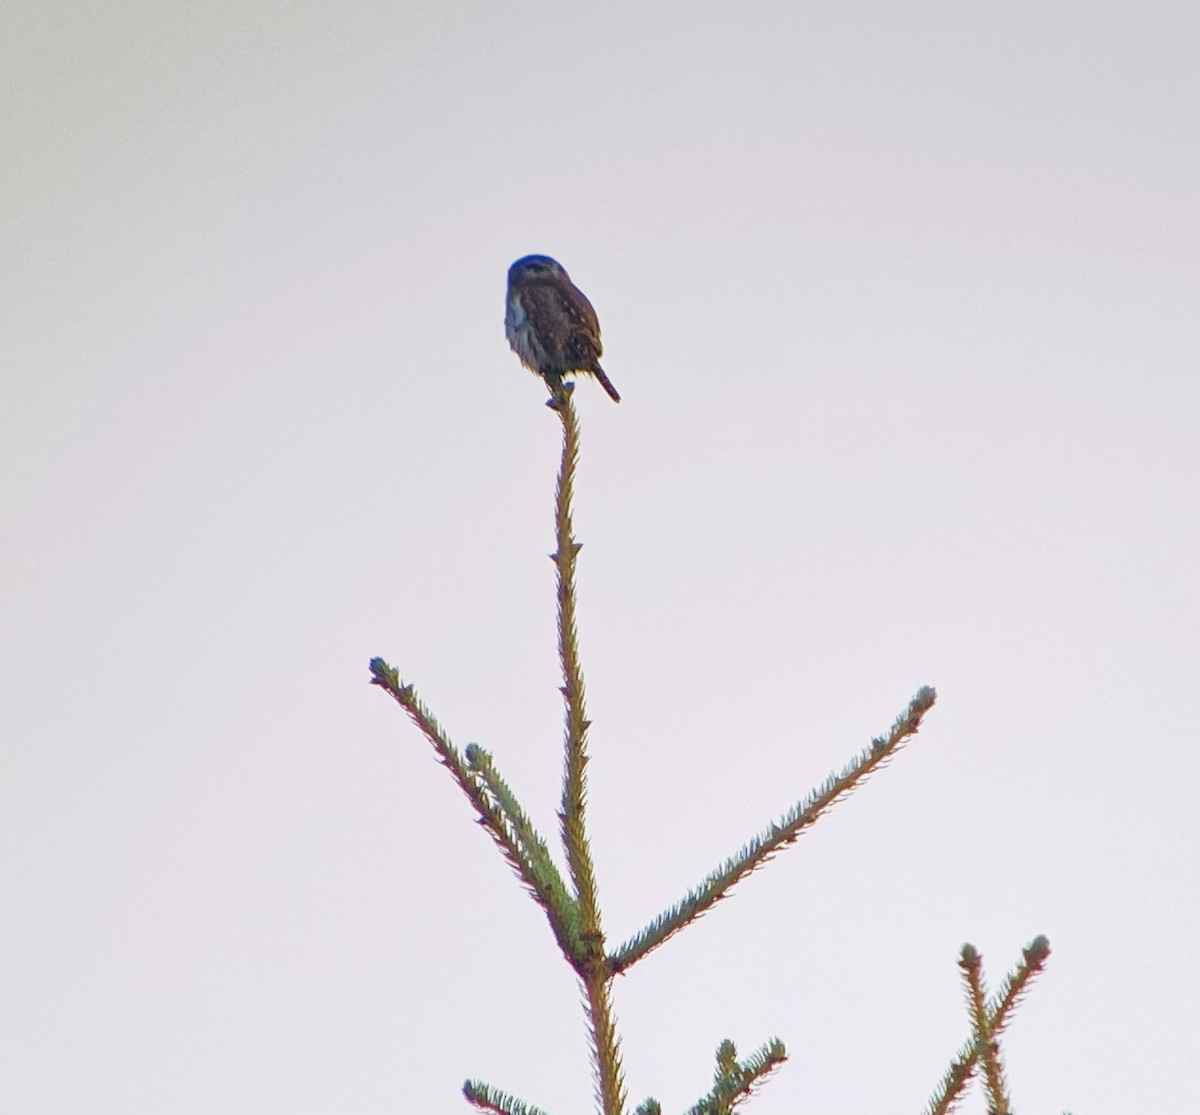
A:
x: 903, y: 302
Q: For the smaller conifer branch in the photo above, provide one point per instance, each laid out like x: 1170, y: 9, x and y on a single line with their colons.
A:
x: 782, y: 833
x: 551, y: 891
x: 1016, y: 983
x: 975, y: 990
x: 487, y: 1098
x: 1000, y: 1008
x: 952, y: 1086
x: 648, y: 1106
x: 733, y: 1080
x: 491, y: 815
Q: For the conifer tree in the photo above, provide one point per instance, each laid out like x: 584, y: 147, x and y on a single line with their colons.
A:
x: 572, y: 905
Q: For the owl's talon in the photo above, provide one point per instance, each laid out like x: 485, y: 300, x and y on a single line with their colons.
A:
x: 559, y: 393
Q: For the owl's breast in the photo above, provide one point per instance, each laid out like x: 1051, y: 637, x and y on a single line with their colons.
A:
x: 521, y: 335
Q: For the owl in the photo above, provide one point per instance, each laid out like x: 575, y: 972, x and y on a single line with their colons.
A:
x: 551, y: 325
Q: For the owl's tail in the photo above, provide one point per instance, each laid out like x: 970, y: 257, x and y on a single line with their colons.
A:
x: 606, y: 383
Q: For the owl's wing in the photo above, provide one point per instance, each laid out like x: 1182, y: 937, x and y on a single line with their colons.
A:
x: 584, y: 331
x: 563, y: 325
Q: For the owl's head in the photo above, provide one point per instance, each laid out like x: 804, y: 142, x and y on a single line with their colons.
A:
x: 536, y: 267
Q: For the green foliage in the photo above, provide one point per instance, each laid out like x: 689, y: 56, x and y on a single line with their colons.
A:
x: 988, y: 1019
x: 572, y: 906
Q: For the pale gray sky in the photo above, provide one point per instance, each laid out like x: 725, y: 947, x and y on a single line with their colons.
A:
x: 904, y: 304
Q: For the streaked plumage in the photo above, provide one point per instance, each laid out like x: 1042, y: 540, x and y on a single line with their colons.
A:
x: 551, y: 325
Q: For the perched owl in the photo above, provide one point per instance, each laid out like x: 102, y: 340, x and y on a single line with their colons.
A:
x: 551, y: 325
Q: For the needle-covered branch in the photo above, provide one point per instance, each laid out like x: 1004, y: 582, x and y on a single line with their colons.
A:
x: 734, y: 1080
x: 551, y: 891
x: 487, y: 1098
x: 783, y: 832
x: 503, y: 829
x: 574, y: 797
x: 590, y: 963
x: 999, y: 1011
x: 981, y: 1023
x: 1016, y: 983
